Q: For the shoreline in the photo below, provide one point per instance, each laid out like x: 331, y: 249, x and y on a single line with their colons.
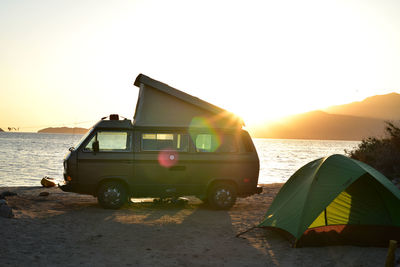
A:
x: 267, y: 138
x: 68, y: 229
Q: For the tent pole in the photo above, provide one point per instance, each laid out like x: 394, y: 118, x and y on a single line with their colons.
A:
x: 251, y: 228
x: 391, y: 253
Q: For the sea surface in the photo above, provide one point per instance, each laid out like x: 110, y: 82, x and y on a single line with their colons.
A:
x: 26, y: 157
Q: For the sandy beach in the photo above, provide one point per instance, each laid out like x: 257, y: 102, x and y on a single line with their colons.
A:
x: 68, y: 229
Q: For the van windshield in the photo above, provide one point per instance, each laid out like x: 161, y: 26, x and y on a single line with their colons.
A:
x: 83, y: 138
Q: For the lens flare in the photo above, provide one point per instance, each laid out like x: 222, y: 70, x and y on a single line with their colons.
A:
x: 203, y: 135
x: 168, y: 158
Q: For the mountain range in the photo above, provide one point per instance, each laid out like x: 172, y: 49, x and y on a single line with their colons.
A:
x: 353, y: 121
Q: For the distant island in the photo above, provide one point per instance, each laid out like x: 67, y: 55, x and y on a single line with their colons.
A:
x: 1, y: 130
x: 354, y: 121
x: 65, y: 130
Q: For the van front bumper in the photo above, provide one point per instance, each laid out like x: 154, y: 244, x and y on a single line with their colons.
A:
x: 66, y: 187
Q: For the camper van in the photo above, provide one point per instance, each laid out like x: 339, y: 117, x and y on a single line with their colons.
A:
x: 177, y: 145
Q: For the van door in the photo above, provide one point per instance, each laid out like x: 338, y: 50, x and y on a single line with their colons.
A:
x: 113, y: 160
x: 161, y: 159
x: 216, y: 157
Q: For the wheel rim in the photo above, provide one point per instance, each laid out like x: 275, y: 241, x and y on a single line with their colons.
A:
x: 112, y: 195
x: 223, y: 197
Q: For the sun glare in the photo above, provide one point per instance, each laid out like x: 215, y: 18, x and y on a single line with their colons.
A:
x: 262, y: 60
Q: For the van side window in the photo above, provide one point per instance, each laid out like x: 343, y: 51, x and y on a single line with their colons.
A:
x: 110, y: 141
x: 228, y: 144
x: 165, y: 141
x: 213, y: 143
x: 206, y: 143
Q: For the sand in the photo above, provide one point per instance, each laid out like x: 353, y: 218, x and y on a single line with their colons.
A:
x: 68, y: 229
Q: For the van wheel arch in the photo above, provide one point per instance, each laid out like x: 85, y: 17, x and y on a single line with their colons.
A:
x: 221, y: 181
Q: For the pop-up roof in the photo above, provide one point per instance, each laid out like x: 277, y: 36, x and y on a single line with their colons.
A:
x: 162, y: 105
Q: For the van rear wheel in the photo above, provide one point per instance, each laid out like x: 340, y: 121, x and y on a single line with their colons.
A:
x: 112, y: 195
x: 222, y: 196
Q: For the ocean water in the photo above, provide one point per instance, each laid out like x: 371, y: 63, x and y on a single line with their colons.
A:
x: 280, y: 158
x: 26, y: 157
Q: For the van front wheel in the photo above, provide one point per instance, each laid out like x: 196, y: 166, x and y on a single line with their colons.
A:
x: 112, y: 195
x: 222, y: 196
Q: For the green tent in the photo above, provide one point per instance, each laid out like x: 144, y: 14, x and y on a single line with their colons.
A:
x: 339, y: 197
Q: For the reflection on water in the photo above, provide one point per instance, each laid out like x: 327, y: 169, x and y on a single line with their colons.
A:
x: 26, y: 157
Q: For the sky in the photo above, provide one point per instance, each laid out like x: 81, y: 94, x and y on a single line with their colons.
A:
x: 69, y: 63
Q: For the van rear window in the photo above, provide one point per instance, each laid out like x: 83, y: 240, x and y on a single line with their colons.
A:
x: 165, y: 141
x: 248, y: 144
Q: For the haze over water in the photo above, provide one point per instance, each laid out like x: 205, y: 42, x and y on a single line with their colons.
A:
x: 26, y: 157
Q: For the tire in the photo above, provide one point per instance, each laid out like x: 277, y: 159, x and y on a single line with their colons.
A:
x: 112, y: 195
x: 222, y: 196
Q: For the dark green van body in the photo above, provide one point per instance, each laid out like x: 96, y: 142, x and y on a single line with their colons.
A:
x: 162, y: 161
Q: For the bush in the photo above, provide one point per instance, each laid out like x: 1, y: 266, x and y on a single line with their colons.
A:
x: 382, y: 154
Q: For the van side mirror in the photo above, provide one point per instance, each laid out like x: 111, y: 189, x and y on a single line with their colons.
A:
x: 95, y: 146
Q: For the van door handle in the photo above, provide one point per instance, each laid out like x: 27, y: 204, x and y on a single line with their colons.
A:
x: 177, y: 168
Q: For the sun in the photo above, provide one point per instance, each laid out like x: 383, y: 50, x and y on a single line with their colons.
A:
x: 266, y: 108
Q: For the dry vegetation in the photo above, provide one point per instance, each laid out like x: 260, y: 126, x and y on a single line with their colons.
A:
x: 382, y: 154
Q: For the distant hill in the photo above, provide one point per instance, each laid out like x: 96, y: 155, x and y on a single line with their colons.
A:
x: 66, y: 130
x: 1, y: 130
x: 354, y: 121
x: 321, y: 126
x: 385, y: 107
